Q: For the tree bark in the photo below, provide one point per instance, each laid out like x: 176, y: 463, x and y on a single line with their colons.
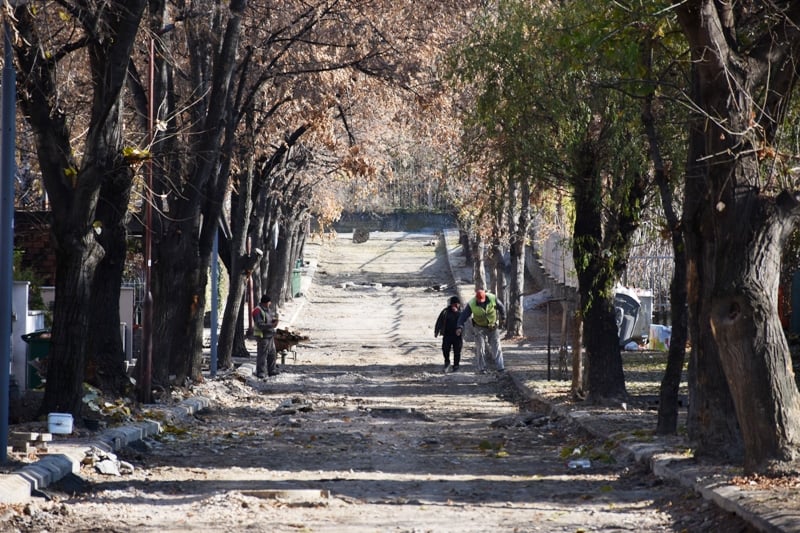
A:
x: 735, y: 233
x: 747, y: 328
x: 74, y: 188
x: 477, y: 247
x: 577, y: 388
x: 106, y: 353
x: 280, y: 267
x: 711, y: 421
x: 519, y: 227
x: 239, y: 260
x: 667, y: 422
x: 595, y: 282
x: 184, y: 249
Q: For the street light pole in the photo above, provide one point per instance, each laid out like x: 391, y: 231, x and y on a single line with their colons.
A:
x: 7, y: 171
x: 146, y: 375
x: 214, y: 303
x: 146, y: 368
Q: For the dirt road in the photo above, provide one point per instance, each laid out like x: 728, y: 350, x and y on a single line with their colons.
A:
x: 363, y: 432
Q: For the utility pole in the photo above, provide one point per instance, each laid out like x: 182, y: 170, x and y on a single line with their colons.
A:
x: 7, y: 172
x: 146, y: 374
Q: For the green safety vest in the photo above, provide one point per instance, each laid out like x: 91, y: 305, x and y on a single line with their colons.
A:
x: 484, y: 317
x: 263, y: 319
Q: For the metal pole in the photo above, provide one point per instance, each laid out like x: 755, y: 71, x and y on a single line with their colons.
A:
x: 548, y: 340
x: 7, y: 171
x: 214, y: 301
x: 145, y: 392
x: 249, y: 296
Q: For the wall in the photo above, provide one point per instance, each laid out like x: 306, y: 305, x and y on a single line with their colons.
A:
x: 24, y: 321
x: 401, y: 221
x: 127, y: 310
x: 32, y: 235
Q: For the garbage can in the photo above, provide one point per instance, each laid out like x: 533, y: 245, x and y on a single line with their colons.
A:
x: 296, y: 277
x: 38, y: 348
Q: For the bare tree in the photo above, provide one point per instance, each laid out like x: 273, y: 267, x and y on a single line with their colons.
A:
x: 76, y: 175
x: 740, y: 206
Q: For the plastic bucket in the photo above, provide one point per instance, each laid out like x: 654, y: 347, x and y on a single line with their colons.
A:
x: 59, y: 423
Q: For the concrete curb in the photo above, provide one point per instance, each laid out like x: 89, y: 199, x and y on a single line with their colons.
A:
x: 65, y: 456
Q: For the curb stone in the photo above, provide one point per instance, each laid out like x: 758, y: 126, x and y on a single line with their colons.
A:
x: 65, y: 456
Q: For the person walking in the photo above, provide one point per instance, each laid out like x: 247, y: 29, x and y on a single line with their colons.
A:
x: 446, y: 326
x: 265, y: 320
x: 488, y: 317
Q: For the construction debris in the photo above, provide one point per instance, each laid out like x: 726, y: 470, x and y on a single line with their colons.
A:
x: 24, y: 441
x: 286, y: 339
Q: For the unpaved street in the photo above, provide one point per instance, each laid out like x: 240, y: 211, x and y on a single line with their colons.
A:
x: 362, y: 432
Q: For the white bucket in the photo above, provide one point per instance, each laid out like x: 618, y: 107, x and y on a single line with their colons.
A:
x: 59, y: 423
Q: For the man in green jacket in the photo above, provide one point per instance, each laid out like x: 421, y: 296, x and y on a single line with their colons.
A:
x: 488, y: 317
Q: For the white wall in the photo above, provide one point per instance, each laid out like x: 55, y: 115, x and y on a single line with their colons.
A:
x: 24, y: 321
x: 127, y: 297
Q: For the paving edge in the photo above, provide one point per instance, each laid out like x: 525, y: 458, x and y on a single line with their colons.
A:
x: 673, y: 467
x: 65, y: 458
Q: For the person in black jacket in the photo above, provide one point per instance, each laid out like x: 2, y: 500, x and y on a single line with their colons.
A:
x: 446, y: 326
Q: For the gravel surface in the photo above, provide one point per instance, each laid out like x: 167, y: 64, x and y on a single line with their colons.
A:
x: 361, y: 431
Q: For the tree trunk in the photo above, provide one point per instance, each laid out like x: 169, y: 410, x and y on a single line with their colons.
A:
x: 748, y: 330
x: 77, y: 257
x: 74, y: 187
x: 735, y: 232
x: 184, y: 250
x: 280, y: 269
x: 239, y: 346
x: 711, y: 423
x: 667, y: 423
x: 500, y: 272
x: 515, y: 311
x: 601, y: 341
x: 477, y: 248
x: 494, y: 264
x: 668, y: 404
x: 239, y: 261
x: 231, y: 341
x: 669, y: 398
x: 179, y: 298
x: 230, y: 320
x: 519, y: 227
x: 577, y: 388
x: 595, y: 269
x: 106, y: 353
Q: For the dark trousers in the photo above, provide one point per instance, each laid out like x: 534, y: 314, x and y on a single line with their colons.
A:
x: 266, y: 356
x: 455, y: 342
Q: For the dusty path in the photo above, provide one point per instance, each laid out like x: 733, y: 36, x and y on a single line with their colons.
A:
x: 363, y: 432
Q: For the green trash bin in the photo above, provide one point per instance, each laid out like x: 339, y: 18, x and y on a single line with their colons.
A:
x: 38, y: 348
x: 296, y: 277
